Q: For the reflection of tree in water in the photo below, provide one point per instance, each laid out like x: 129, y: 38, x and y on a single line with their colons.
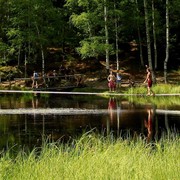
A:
x: 127, y: 121
x: 124, y: 120
x: 35, y: 103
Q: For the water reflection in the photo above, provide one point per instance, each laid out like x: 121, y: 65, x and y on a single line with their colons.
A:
x: 111, y: 108
x: 148, y: 123
x: 62, y: 118
x: 114, y: 109
x: 35, y: 102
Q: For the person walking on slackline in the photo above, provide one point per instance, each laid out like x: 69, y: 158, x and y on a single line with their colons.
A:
x: 149, y: 82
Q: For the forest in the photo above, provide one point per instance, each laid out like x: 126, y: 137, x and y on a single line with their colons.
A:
x: 42, y: 34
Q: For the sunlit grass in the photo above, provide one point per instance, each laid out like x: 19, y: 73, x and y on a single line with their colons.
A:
x: 93, y: 157
x: 158, y: 89
x: 160, y: 102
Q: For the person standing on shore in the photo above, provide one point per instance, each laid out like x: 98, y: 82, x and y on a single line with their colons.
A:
x: 118, y: 80
x: 35, y: 79
x: 111, y: 82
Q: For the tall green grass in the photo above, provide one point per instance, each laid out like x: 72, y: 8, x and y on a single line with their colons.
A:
x: 159, y: 101
x: 92, y: 157
x: 158, y: 89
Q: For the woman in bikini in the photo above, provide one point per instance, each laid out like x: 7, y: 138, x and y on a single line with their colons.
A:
x: 149, y: 82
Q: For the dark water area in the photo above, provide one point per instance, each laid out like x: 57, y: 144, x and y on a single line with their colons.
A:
x: 25, y: 120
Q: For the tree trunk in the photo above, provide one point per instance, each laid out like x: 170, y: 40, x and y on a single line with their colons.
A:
x: 106, y: 35
x: 139, y: 37
x: 154, y: 35
x: 42, y: 52
x: 43, y: 60
x: 19, y: 55
x: 148, y: 41
x: 167, y: 41
x: 116, y: 32
x: 25, y: 65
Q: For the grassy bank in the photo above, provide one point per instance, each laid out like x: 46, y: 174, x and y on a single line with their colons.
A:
x: 138, y: 89
x: 93, y: 157
x: 158, y: 89
x: 160, y: 101
x: 141, y: 91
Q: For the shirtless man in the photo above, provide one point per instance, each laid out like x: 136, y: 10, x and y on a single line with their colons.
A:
x: 111, y: 81
x: 149, y: 82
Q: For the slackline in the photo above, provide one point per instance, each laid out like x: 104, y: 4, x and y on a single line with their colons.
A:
x: 77, y: 111
x: 83, y: 93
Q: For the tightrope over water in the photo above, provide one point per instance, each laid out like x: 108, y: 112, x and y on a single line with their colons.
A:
x: 81, y: 93
x: 77, y: 111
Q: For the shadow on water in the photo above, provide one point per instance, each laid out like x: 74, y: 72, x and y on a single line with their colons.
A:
x: 26, y: 121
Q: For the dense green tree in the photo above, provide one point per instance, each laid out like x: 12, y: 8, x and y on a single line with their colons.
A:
x: 31, y: 27
x: 90, y: 22
x: 95, y: 20
x: 3, y: 39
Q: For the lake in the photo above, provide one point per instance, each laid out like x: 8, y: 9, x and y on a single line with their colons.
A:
x: 26, y: 120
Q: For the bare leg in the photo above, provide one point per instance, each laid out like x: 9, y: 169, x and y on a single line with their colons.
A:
x: 149, y: 91
x: 36, y: 84
x: 33, y: 84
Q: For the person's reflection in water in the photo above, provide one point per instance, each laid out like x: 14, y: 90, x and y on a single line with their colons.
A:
x: 111, y: 108
x: 35, y: 103
x: 149, y: 125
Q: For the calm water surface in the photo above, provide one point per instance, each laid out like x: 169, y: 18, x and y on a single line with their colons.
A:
x: 24, y: 120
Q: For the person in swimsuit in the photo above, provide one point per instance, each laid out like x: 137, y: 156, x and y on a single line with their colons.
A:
x: 111, y: 82
x: 149, y: 82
